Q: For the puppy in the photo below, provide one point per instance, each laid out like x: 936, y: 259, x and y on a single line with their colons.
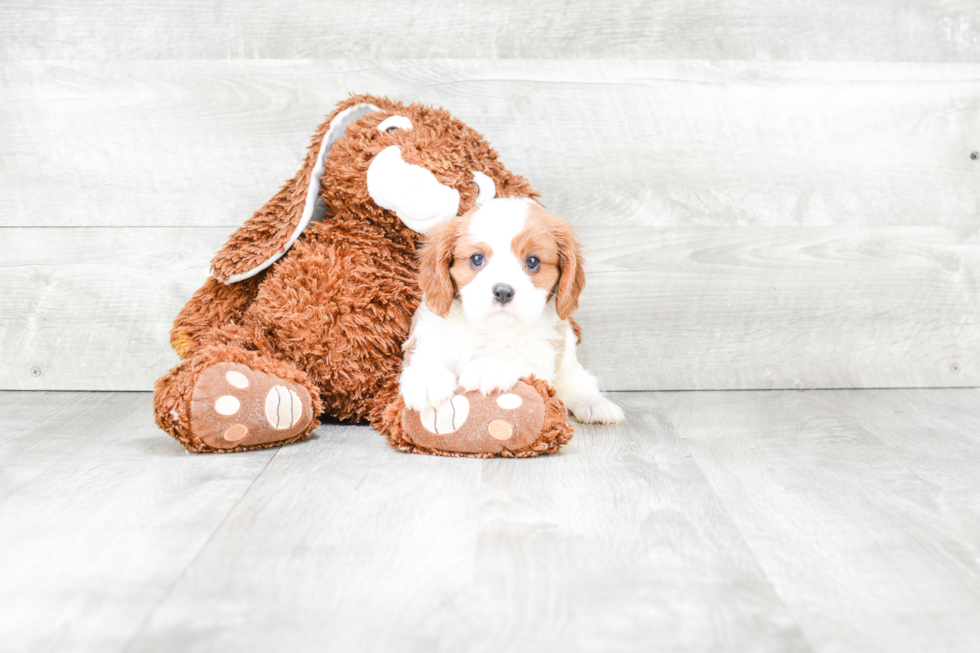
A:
x: 499, y: 285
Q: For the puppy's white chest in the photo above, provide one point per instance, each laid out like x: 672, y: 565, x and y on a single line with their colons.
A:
x: 535, y: 345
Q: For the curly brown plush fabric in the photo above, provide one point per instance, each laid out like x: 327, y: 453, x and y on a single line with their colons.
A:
x: 213, y: 304
x: 332, y: 312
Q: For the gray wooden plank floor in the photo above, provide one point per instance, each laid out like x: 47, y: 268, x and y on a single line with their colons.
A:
x: 845, y: 520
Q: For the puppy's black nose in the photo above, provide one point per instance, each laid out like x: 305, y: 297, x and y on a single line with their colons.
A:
x: 503, y: 293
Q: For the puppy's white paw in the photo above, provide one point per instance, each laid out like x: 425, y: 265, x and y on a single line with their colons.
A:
x: 489, y: 375
x: 426, y: 387
x: 596, y: 409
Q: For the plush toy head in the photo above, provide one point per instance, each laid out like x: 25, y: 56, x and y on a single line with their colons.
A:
x: 403, y: 168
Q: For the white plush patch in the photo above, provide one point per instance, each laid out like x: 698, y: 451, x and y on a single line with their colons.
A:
x: 336, y: 130
x: 412, y: 192
x: 488, y: 189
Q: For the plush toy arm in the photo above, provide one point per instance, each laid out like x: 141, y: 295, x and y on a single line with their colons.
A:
x: 212, y: 306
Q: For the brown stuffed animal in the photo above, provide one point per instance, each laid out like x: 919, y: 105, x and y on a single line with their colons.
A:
x: 311, y: 299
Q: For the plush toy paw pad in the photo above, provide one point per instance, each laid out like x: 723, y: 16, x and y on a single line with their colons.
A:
x: 227, y: 405
x: 236, y: 433
x: 500, y: 430
x: 473, y: 423
x: 283, y: 408
x: 233, y: 406
x: 236, y: 379
x: 509, y: 401
x: 448, y: 417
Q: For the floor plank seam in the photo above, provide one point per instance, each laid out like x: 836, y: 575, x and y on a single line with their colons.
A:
x: 190, y: 563
x: 755, y: 558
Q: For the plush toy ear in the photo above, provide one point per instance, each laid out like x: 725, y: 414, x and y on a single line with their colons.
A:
x: 572, y: 275
x: 435, y: 258
x: 273, y: 229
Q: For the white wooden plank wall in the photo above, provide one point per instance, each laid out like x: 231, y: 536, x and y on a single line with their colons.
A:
x: 771, y: 195
x: 859, y: 30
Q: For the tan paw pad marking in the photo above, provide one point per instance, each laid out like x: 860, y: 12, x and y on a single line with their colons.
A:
x: 237, y: 379
x: 236, y: 433
x: 227, y: 405
x: 500, y: 430
x: 283, y: 408
x: 509, y: 401
x: 447, y: 417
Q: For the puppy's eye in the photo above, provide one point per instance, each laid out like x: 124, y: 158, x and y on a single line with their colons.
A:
x: 533, y: 263
x: 477, y: 261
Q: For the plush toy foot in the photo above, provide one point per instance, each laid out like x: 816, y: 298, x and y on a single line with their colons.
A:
x: 234, y: 406
x: 528, y: 420
x: 224, y: 398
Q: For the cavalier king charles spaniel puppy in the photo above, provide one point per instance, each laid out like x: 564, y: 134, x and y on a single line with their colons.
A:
x: 499, y: 286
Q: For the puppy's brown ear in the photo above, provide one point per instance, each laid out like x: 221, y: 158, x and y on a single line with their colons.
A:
x: 572, y: 275
x: 435, y: 258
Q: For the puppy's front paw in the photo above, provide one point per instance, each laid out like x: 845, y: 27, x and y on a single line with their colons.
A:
x: 597, y: 410
x: 489, y: 375
x: 427, y: 387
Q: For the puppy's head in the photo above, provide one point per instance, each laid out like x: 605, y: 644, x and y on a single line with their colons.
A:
x: 503, y: 259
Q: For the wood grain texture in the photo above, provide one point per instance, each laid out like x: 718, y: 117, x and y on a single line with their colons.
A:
x: 862, y: 30
x: 760, y: 224
x: 652, y: 143
x: 709, y: 521
x: 102, y: 513
x: 91, y: 309
x: 614, y: 544
x: 692, y: 308
x: 934, y: 435
x: 813, y: 307
x: 825, y: 487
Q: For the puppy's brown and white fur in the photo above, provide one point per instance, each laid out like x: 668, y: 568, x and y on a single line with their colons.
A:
x: 499, y: 285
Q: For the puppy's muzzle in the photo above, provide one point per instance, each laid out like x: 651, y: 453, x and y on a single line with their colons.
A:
x: 503, y: 293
